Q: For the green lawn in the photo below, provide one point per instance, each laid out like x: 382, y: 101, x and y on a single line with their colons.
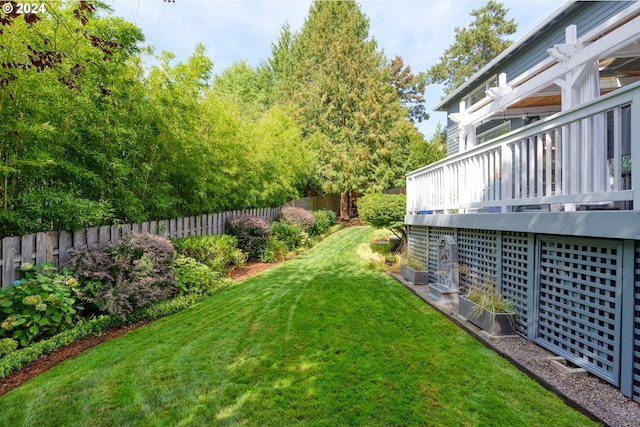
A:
x: 319, y: 340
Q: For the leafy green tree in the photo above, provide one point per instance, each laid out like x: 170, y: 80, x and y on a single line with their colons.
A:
x: 55, y: 163
x: 348, y: 107
x: 474, y: 47
x: 426, y: 152
x: 410, y: 89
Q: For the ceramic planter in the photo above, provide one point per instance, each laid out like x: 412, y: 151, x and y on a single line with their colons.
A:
x: 494, y: 323
x: 417, y: 277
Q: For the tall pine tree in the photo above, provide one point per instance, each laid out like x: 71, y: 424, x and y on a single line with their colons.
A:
x: 346, y: 101
x: 474, y: 47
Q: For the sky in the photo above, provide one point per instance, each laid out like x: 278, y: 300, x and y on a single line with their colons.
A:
x: 235, y: 30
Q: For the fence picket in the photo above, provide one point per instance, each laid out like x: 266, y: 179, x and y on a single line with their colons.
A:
x: 28, y: 249
x: 55, y: 246
x: 65, y: 244
x: 79, y: 238
x: 92, y: 236
x: 153, y: 228
x: 44, y: 247
x: 104, y: 234
x: 163, y: 228
x: 10, y: 248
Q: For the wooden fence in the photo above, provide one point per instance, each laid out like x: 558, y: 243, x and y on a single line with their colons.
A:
x: 55, y: 246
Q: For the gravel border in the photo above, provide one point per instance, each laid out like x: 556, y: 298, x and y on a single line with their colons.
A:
x: 587, y: 393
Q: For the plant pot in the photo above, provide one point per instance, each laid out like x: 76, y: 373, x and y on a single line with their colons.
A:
x: 417, y: 277
x: 494, y: 323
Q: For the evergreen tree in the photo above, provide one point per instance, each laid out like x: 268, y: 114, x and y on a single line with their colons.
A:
x: 346, y: 102
x: 474, y: 47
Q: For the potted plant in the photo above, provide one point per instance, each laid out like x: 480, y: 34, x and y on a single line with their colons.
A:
x: 484, y: 306
x: 414, y: 272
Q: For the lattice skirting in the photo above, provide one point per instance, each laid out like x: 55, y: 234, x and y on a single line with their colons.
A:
x: 568, y: 292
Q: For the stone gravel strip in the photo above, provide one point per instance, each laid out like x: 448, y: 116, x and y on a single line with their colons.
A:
x: 587, y: 393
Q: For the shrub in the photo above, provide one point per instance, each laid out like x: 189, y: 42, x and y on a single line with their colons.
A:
x: 288, y: 233
x: 194, y: 277
x: 252, y: 233
x: 324, y: 219
x: 7, y: 345
x: 275, y: 251
x: 299, y: 216
x: 218, y: 252
x: 39, y: 305
x: 384, y: 211
x: 118, y: 278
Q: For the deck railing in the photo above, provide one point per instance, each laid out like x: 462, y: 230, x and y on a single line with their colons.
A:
x: 580, y: 157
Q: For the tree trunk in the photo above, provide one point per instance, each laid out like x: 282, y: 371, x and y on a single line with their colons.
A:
x: 344, y: 206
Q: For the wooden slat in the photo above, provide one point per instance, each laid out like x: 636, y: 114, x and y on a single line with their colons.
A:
x: 65, y: 244
x: 28, y: 249
x: 10, y: 249
x: 79, y: 239
x: 92, y: 236
x: 104, y: 234
x: 44, y: 248
x: 163, y: 228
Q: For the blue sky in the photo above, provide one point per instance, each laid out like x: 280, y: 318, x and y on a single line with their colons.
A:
x: 234, y: 30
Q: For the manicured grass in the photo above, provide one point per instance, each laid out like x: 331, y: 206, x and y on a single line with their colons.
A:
x: 319, y: 340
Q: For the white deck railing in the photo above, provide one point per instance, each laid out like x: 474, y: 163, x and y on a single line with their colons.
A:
x: 578, y: 157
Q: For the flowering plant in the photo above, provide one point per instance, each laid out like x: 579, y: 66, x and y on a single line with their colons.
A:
x: 39, y: 305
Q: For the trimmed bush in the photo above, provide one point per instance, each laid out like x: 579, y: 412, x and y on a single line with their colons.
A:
x: 251, y: 232
x: 38, y: 306
x: 7, y: 345
x: 299, y: 216
x: 324, y: 219
x: 118, y: 278
x: 288, y: 233
x: 384, y: 211
x: 218, y: 252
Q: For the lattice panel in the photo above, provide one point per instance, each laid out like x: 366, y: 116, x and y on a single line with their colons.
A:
x: 435, y: 233
x: 516, y: 262
x: 578, y: 316
x: 418, y: 238
x: 476, y: 256
x: 636, y: 328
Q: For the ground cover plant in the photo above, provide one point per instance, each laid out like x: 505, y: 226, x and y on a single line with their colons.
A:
x: 318, y: 340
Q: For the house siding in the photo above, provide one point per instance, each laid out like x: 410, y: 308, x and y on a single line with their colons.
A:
x: 587, y: 17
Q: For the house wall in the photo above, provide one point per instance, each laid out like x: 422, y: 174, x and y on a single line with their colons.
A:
x: 586, y: 17
x: 579, y: 297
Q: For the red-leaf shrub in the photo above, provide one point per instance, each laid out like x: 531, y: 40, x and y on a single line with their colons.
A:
x: 299, y: 216
x: 252, y: 233
x: 119, y: 277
